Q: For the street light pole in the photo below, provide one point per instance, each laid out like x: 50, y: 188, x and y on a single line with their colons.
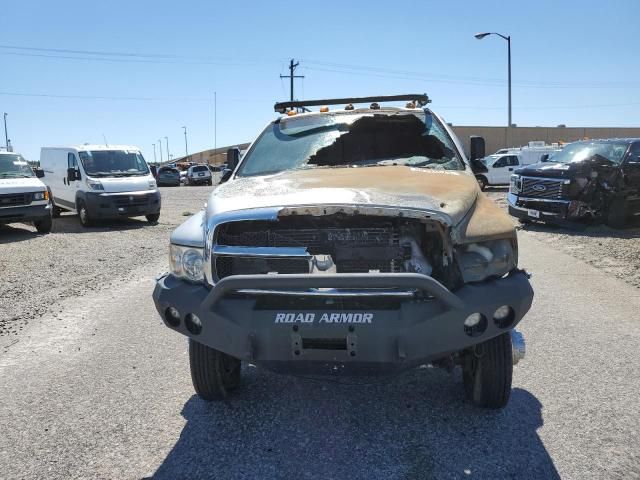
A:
x: 167, y: 140
x: 6, y: 136
x: 480, y: 36
x: 160, y: 147
x: 155, y: 158
x: 186, y: 148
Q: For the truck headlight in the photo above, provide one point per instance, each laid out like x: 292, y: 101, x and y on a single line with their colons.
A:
x: 186, y: 262
x: 41, y: 195
x: 516, y: 184
x: 94, y: 184
x: 152, y: 184
x: 481, y: 260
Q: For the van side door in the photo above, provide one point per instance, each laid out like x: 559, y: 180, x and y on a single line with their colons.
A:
x: 71, y: 186
x: 631, y: 173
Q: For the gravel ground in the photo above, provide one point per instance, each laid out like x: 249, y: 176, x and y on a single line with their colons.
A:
x: 39, y: 270
x: 617, y: 252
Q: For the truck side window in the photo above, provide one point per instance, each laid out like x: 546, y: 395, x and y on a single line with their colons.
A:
x: 502, y: 162
x: 512, y: 161
x: 72, y: 162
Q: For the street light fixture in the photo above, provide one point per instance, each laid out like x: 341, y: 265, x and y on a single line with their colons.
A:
x: 480, y: 36
x: 186, y: 148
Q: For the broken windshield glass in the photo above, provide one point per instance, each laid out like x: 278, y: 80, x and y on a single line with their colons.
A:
x: 352, y: 140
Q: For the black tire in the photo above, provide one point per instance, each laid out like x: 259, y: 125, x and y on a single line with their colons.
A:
x: 153, y: 218
x: 487, y: 372
x: 83, y: 214
x: 210, y: 183
x: 482, y: 181
x: 618, y: 213
x: 44, y: 225
x: 214, y: 374
x: 56, y: 211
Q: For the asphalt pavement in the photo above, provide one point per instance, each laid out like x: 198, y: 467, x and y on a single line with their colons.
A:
x: 99, y: 388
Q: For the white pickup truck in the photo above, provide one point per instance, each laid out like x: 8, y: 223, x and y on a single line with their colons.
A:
x: 23, y: 197
x: 499, y: 167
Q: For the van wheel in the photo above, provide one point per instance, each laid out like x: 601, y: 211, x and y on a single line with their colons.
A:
x: 482, y: 181
x: 56, y: 211
x: 153, y: 218
x: 214, y: 374
x: 487, y: 372
x: 618, y: 213
x: 210, y: 183
x: 83, y: 213
x: 44, y: 225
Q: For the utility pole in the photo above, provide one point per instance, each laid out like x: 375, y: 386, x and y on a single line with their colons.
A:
x: 168, y: 156
x: 6, y: 136
x: 155, y: 158
x: 160, y: 147
x: 215, y: 121
x: 291, y: 76
x: 186, y: 148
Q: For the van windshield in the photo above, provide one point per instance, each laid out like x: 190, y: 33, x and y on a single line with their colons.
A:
x: 113, y: 163
x: 13, y: 165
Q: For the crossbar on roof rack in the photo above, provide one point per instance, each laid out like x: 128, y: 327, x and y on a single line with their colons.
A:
x: 422, y: 99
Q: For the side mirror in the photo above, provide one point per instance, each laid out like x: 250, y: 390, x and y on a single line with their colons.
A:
x: 72, y: 174
x: 544, y: 158
x: 39, y: 172
x: 226, y: 175
x: 476, y: 147
x: 233, y: 158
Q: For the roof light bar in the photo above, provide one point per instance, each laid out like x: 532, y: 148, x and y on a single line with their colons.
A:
x: 420, y: 99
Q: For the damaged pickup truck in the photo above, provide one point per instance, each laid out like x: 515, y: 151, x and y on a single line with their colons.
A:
x: 354, y: 241
x: 595, y: 180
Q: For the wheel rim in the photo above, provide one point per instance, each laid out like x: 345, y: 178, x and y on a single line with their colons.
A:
x: 83, y: 214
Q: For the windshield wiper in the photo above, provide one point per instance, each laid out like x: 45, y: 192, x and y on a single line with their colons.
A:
x: 13, y: 175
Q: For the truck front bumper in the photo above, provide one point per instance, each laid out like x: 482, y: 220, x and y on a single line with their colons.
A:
x: 125, y: 204
x: 283, y: 322
x: 28, y: 213
x: 537, y: 209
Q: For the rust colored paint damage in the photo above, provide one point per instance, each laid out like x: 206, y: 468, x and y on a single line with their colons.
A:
x: 485, y: 221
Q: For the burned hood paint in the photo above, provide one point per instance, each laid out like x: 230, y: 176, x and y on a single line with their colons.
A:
x: 447, y: 192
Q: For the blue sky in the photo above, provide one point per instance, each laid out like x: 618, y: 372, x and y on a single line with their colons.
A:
x: 573, y: 62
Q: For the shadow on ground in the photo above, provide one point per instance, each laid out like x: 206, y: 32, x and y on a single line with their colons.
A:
x: 632, y: 229
x: 416, y: 426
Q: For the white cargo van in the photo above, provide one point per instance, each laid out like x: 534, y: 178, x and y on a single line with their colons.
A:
x: 100, y: 181
x: 500, y: 167
x: 23, y: 197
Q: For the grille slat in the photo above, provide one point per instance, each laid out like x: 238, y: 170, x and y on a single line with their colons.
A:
x: 15, y: 199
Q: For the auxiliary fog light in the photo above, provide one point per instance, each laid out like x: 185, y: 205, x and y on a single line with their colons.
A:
x: 173, y: 316
x: 475, y: 324
x: 193, y: 323
x: 503, y: 316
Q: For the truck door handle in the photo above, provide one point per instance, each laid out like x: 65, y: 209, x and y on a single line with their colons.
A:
x: 511, y: 169
x: 64, y: 180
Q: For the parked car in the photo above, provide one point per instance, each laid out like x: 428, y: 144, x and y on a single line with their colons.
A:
x: 168, y: 176
x: 589, y: 180
x: 349, y: 242
x: 183, y: 176
x: 499, y: 168
x: 23, y: 196
x: 198, y: 175
x: 100, y: 181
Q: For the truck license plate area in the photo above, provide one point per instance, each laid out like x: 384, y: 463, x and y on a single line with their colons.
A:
x: 324, y: 343
x: 533, y: 213
x: 300, y: 344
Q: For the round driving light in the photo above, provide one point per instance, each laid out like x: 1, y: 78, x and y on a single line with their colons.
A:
x: 173, y: 316
x: 503, y: 316
x: 193, y: 323
x: 175, y: 260
x: 192, y: 265
x: 475, y: 324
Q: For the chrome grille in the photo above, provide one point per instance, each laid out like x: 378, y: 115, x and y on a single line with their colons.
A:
x: 542, y: 188
x: 15, y: 199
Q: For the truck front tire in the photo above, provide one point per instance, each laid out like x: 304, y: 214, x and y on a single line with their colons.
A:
x: 152, y: 218
x: 214, y: 374
x: 618, y: 213
x: 487, y: 372
x: 482, y: 181
x: 44, y: 225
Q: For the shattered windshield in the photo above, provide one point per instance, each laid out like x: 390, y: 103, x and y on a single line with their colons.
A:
x: 113, y: 163
x: 352, y: 140
x: 579, y: 151
x: 13, y: 165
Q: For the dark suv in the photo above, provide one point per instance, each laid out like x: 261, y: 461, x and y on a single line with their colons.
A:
x: 594, y: 179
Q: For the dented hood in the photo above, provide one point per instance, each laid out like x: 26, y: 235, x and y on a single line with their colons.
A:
x: 448, y: 193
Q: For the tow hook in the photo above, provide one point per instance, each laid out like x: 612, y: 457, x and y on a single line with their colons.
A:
x: 518, y: 346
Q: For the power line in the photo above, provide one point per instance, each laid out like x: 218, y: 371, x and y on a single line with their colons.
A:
x: 100, y: 97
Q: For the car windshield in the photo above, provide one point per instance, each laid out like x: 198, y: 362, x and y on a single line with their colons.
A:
x: 13, y: 165
x: 352, y: 139
x: 579, y: 151
x: 113, y: 163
